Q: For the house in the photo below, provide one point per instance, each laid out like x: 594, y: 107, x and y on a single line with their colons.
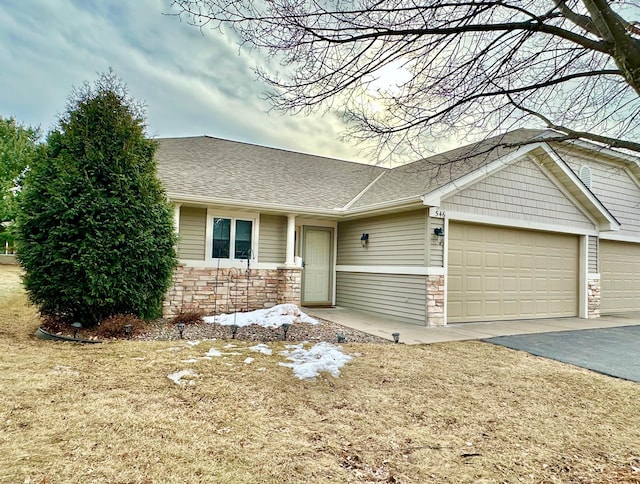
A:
x: 515, y: 227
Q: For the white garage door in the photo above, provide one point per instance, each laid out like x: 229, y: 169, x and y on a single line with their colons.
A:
x: 499, y: 273
x: 619, y: 277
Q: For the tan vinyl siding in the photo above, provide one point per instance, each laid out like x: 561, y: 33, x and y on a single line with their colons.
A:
x: 396, y: 239
x: 193, y: 225
x: 436, y: 244
x: 272, y: 246
x: 397, y: 296
x: 614, y: 187
x: 593, y: 254
x: 520, y: 191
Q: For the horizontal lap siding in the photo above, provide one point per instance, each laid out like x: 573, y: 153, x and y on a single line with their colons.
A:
x: 593, y: 255
x: 396, y: 296
x: 193, y: 225
x: 272, y: 245
x: 397, y: 239
x: 436, y: 244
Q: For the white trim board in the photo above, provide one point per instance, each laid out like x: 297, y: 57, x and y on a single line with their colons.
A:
x: 617, y: 237
x: 517, y: 224
x: 231, y: 263
x: 405, y: 270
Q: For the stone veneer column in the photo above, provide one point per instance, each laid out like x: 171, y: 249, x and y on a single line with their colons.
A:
x: 593, y: 297
x: 435, y: 300
x: 290, y: 285
x: 172, y: 304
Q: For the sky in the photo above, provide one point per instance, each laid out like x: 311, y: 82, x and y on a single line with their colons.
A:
x: 193, y: 83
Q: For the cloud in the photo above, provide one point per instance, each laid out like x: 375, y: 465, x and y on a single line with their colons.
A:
x: 193, y: 82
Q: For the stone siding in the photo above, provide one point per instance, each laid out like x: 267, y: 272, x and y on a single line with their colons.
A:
x: 435, y: 300
x: 215, y: 291
x: 593, y: 298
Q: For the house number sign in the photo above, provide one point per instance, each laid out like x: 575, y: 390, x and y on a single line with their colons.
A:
x: 437, y: 212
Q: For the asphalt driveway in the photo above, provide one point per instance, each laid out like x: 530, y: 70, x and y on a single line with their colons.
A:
x: 612, y: 351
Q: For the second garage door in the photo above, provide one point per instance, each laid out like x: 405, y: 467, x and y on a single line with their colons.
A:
x: 497, y: 273
x: 620, y: 276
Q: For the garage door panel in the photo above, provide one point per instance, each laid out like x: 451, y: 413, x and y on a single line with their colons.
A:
x: 473, y: 308
x: 619, y: 277
x: 515, y: 274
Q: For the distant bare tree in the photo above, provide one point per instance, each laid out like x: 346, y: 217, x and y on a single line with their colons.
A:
x: 464, y: 65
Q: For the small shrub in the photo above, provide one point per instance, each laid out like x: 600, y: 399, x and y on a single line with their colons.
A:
x: 113, y: 327
x: 188, y: 317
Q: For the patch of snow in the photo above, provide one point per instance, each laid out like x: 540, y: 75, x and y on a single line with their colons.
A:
x: 320, y: 357
x: 213, y: 352
x: 190, y: 360
x: 194, y: 342
x: 269, y: 318
x: 178, y: 376
x: 249, y: 360
x: 138, y: 358
x: 230, y: 345
x: 262, y: 348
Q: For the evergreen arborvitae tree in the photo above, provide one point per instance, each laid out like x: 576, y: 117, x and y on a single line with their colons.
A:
x: 95, y: 233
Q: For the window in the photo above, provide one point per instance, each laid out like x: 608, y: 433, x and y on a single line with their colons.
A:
x: 231, y: 238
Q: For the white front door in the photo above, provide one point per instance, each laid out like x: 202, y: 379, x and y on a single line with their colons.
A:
x: 316, y: 279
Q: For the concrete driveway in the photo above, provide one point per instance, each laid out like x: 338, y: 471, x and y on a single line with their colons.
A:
x: 612, y: 351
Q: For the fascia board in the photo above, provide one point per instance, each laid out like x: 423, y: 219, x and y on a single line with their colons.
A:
x: 591, y: 146
x: 328, y: 213
x: 254, y: 206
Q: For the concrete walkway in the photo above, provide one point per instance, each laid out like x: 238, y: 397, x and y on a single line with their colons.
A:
x: 415, y: 334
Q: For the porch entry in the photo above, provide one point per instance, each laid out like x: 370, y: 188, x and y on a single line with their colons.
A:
x: 317, y: 255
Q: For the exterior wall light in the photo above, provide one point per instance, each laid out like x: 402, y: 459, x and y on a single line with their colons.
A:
x: 438, y: 231
x: 364, y: 240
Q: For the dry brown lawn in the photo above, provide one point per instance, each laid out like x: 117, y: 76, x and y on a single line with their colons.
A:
x: 455, y: 412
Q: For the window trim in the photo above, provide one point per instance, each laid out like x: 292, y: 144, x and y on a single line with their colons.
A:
x: 233, y: 216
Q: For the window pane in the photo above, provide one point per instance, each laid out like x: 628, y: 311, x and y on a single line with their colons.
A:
x: 221, y: 237
x: 243, y: 239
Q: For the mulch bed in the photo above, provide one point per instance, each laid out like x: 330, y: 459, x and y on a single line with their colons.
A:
x: 325, y: 331
x: 165, y: 330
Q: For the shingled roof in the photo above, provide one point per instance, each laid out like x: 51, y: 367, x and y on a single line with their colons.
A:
x: 213, y: 170
x: 220, y: 171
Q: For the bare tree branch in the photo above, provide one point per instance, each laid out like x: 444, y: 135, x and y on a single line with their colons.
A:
x: 405, y: 74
